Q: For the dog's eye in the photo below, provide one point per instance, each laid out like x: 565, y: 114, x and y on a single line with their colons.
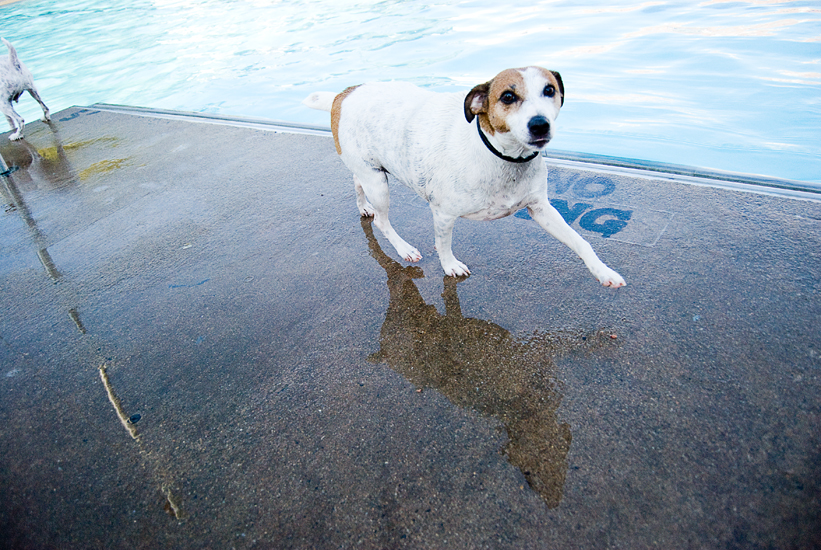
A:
x: 508, y: 98
x: 549, y: 90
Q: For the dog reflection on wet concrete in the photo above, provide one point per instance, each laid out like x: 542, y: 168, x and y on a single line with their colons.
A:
x: 44, y: 166
x: 480, y: 365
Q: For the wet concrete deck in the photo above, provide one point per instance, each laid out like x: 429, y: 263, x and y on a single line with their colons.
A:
x: 203, y: 346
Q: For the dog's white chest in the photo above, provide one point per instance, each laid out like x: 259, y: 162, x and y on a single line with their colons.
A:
x: 497, y: 207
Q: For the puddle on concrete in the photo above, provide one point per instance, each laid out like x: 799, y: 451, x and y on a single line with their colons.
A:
x: 479, y: 365
x: 47, y: 177
x: 47, y: 166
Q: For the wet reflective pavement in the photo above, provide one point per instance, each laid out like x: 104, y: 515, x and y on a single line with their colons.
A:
x: 202, y: 345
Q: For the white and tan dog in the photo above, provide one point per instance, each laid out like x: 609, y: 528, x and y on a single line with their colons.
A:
x: 15, y: 79
x: 480, y: 171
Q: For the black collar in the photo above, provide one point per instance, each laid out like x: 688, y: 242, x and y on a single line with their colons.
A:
x: 493, y: 150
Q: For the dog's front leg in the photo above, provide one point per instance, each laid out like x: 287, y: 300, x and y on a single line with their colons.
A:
x: 550, y: 219
x: 443, y: 230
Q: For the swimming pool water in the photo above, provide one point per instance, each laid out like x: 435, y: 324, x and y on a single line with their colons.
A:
x: 729, y: 85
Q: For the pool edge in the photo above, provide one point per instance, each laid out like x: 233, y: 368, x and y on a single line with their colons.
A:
x: 602, y: 163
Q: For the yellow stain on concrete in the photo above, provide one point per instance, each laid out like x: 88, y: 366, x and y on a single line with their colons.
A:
x: 102, y: 167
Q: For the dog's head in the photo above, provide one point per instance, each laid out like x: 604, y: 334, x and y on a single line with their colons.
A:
x: 520, y: 104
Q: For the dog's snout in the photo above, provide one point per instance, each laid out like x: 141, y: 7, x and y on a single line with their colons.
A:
x: 539, y: 126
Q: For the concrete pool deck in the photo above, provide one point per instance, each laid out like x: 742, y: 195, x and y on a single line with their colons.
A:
x: 203, y: 346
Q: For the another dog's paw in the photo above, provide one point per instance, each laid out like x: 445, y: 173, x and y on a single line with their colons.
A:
x: 608, y: 277
x: 46, y: 117
x: 16, y: 136
x: 455, y: 268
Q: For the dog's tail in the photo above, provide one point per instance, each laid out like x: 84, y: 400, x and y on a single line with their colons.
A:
x: 322, y: 101
x: 12, y: 53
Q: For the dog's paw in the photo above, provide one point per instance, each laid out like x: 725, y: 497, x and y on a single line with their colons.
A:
x: 16, y: 136
x: 408, y: 253
x: 366, y: 210
x: 455, y: 268
x: 413, y: 256
x: 46, y: 117
x: 609, y: 278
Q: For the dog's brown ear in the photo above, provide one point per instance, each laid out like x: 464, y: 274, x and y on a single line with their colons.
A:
x: 561, y: 84
x: 476, y: 101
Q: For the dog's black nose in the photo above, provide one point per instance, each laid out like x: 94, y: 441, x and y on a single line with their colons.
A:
x: 539, y: 127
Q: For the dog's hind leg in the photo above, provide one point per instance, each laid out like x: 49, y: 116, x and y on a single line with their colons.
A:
x: 549, y: 218
x: 365, y: 208
x: 15, y: 121
x: 36, y: 96
x: 372, y: 185
x: 443, y: 230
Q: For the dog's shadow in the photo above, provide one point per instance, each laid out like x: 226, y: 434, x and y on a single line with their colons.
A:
x: 480, y: 365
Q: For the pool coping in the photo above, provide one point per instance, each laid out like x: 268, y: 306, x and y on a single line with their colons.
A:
x: 588, y: 161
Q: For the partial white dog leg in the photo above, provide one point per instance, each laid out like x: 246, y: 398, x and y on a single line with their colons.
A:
x: 36, y: 96
x: 15, y: 121
x: 365, y: 208
x: 443, y: 230
x: 374, y: 184
x: 550, y: 219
